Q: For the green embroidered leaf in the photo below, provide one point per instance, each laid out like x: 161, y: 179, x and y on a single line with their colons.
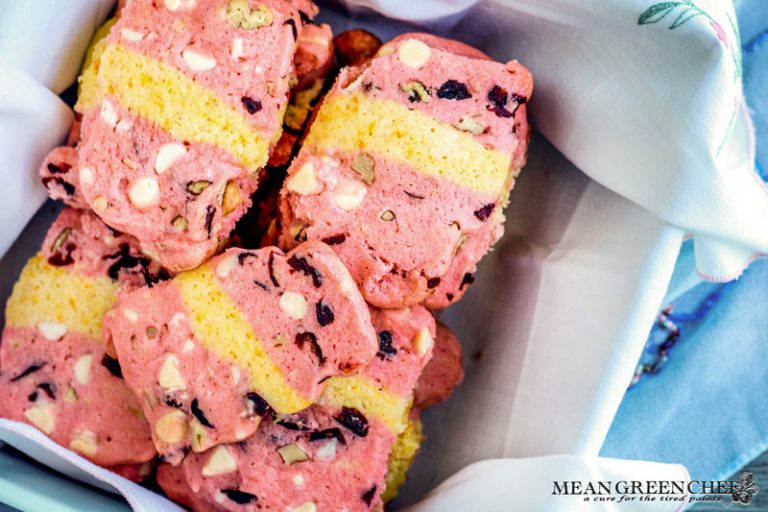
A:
x: 684, y: 17
x: 657, y: 12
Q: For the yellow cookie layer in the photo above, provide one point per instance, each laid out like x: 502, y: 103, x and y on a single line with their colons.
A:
x: 88, y: 90
x: 354, y: 122
x: 401, y: 458
x: 156, y: 91
x: 367, y: 397
x: 45, y: 293
x: 219, y: 325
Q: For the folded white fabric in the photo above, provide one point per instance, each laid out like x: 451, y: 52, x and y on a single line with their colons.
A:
x: 42, y: 44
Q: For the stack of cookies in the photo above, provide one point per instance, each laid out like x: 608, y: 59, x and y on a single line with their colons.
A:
x: 241, y: 300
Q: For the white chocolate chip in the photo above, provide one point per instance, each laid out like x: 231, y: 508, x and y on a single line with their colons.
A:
x: 83, y: 369
x: 99, y: 203
x: 298, y: 479
x: 189, y: 346
x: 108, y: 114
x: 235, y: 374
x: 130, y: 315
x: 413, y: 53
x: 304, y: 181
x: 328, y: 450
x: 237, y: 48
x: 131, y: 35
x: 52, y: 331
x: 85, y: 442
x: 197, y: 61
x: 242, y: 434
x: 172, y: 427
x: 41, y: 415
x: 219, y: 497
x: 167, y: 156
x: 225, y: 266
x: 294, y: 305
x: 305, y: 507
x: 144, y: 193
x: 349, y: 194
x: 123, y: 126
x: 423, y: 341
x: 292, y: 453
x: 86, y: 175
x: 172, y: 5
x: 220, y: 462
x: 170, y: 377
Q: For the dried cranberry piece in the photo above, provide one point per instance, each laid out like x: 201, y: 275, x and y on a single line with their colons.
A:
x: 59, y: 169
x: 113, y: 365
x: 324, y: 314
x: 244, y: 256
x: 386, y: 349
x: 292, y: 23
x: 453, y: 90
x: 68, y: 187
x: 271, y: 267
x: 291, y: 425
x: 499, y: 98
x: 335, y: 239
x: 198, y: 413
x: 466, y: 280
x: 239, y: 497
x: 309, y: 337
x: 49, y: 388
x: 63, y: 255
x: 485, y: 212
x: 32, y: 397
x: 210, y: 211
x: 328, y: 433
x: 353, y: 420
x: 260, y: 406
x: 433, y: 282
x: 305, y: 268
x: 367, y: 496
x: 172, y: 402
x: 251, y: 105
x: 34, y: 367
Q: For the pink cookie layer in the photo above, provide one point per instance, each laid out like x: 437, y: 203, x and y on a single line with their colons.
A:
x: 81, y: 242
x: 443, y: 373
x: 337, y: 475
x: 398, y: 365
x: 201, y: 27
x: 103, y: 406
x: 414, y: 238
x: 120, y: 157
x: 397, y: 261
x: 307, y: 351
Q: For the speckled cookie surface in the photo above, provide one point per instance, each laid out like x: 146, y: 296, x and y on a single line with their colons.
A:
x: 249, y: 332
x: 54, y: 372
x: 336, y: 455
x: 407, y: 166
x: 181, y: 106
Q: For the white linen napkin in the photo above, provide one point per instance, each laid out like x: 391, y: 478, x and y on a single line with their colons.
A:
x: 42, y: 44
x: 561, y: 309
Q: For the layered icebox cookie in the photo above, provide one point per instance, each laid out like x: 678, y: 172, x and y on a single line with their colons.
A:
x: 54, y: 372
x: 181, y: 104
x: 216, y: 348
x: 407, y: 167
x: 334, y: 455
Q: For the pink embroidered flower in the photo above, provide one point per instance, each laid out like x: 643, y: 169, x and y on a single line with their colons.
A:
x: 720, y: 32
